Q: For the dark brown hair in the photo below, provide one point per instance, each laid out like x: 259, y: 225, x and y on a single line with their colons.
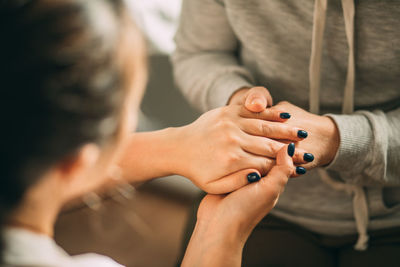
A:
x: 61, y: 85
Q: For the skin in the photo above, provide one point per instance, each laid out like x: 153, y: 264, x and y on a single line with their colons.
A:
x: 224, y: 222
x: 219, y: 232
x: 323, y: 140
x: 227, y: 140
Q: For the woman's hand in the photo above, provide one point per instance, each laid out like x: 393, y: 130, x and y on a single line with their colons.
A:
x: 224, y: 222
x: 323, y: 136
x: 224, y: 145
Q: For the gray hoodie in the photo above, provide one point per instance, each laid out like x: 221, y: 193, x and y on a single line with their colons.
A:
x: 318, y: 56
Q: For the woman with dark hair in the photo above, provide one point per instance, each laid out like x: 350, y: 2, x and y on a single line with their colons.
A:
x: 72, y: 74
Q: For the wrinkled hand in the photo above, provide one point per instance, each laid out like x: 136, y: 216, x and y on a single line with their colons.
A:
x: 224, y: 145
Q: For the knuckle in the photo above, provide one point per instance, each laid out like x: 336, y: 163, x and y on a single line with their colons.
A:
x: 265, y: 129
x: 223, y: 112
x: 269, y: 163
x: 272, y: 147
x: 232, y: 139
x: 232, y: 159
x: 266, y: 166
x: 224, y: 124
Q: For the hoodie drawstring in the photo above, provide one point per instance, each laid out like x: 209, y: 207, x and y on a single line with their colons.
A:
x: 348, y: 98
x: 360, y: 204
x: 316, y: 53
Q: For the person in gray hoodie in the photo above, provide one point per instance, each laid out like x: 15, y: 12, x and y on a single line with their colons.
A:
x: 341, y: 61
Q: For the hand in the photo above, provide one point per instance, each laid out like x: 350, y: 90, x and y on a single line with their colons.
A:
x: 224, y: 222
x: 224, y: 145
x: 323, y: 136
x: 255, y: 99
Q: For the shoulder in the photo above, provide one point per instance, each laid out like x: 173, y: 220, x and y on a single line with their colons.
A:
x: 25, y: 248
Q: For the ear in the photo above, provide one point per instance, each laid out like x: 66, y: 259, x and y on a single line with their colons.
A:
x: 79, y: 163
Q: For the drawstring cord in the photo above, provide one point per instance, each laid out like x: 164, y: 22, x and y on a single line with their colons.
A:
x: 348, y: 98
x: 360, y: 204
x: 316, y: 53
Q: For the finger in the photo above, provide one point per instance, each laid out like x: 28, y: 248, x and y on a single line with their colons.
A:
x: 274, y: 113
x: 274, y: 130
x: 269, y: 114
x: 262, y: 164
x: 266, y: 147
x: 285, y: 155
x: 277, y: 178
x: 286, y: 161
x: 249, y: 161
x: 257, y: 99
x: 233, y: 181
x: 259, y: 198
x: 299, y: 171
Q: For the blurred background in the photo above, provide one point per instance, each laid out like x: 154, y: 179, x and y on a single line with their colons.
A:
x: 148, y: 228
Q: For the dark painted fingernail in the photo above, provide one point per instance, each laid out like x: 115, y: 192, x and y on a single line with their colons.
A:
x: 285, y: 115
x: 308, y: 157
x: 302, y: 134
x: 300, y: 170
x: 290, y: 149
x: 253, y: 177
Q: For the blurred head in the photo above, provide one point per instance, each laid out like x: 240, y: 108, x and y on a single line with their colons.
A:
x: 72, y: 74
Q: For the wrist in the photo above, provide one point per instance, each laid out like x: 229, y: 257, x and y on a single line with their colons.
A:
x: 331, y: 136
x: 149, y: 155
x: 213, y: 246
x: 173, y: 155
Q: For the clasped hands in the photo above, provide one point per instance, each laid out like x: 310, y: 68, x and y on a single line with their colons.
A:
x: 219, y: 150
x: 248, y: 136
x: 245, y: 136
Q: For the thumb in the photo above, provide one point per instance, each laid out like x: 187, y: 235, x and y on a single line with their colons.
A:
x: 277, y: 178
x: 257, y: 99
x: 253, y: 201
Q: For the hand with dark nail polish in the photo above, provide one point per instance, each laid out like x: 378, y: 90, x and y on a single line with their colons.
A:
x: 308, y: 157
x: 314, y: 133
x: 253, y: 177
x: 300, y: 170
x: 285, y: 115
x: 290, y: 149
x: 302, y: 134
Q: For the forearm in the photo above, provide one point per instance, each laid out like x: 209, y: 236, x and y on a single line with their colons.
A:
x: 209, y: 246
x: 206, y: 66
x: 150, y: 155
x: 208, y: 80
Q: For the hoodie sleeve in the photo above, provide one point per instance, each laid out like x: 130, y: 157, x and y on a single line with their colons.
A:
x: 206, y: 67
x: 369, y: 151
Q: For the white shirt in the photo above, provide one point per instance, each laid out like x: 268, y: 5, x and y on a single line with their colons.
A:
x: 26, y: 248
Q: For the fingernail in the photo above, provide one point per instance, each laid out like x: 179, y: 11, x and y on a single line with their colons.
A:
x: 300, y: 170
x: 256, y: 101
x: 302, y: 134
x: 253, y: 177
x: 308, y: 157
x: 290, y: 149
x: 285, y: 115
